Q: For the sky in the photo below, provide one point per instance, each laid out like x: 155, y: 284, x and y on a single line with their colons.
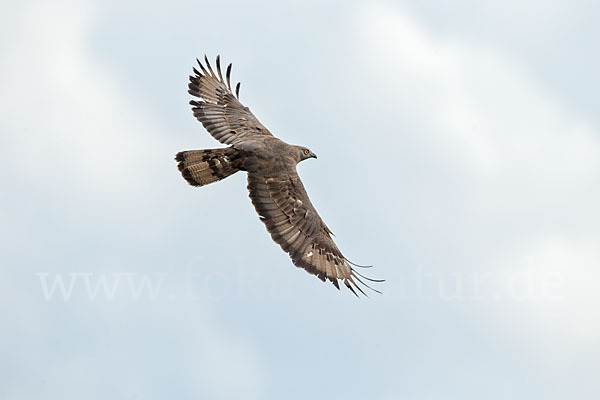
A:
x: 459, y: 153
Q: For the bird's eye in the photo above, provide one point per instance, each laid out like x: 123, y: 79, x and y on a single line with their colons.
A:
x: 305, y: 151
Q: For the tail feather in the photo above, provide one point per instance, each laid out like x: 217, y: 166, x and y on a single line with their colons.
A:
x: 201, y: 167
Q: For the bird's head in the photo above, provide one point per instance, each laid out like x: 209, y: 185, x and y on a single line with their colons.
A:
x: 305, y: 153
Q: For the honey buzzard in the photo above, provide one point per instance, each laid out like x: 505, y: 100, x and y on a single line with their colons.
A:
x: 274, y: 185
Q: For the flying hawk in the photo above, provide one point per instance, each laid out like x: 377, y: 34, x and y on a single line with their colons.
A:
x: 275, y: 187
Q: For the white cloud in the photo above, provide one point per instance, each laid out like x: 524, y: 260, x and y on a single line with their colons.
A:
x: 533, y: 165
x: 73, y: 134
x: 70, y: 123
x: 481, y: 104
x: 552, y: 304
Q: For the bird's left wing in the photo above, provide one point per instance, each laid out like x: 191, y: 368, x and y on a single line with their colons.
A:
x: 221, y: 113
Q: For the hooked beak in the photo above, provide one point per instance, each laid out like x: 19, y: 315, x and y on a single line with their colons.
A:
x: 313, y: 155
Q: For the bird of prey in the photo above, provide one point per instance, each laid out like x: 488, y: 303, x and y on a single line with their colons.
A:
x: 275, y: 188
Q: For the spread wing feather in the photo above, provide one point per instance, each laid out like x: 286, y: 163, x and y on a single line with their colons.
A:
x: 285, y: 209
x: 221, y: 113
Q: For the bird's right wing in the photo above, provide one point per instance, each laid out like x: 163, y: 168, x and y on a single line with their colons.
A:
x: 285, y: 209
x: 221, y: 113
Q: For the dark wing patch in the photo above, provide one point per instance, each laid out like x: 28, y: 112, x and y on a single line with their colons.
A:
x: 221, y: 113
x: 285, y: 209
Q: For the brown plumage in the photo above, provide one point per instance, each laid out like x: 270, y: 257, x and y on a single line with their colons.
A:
x: 275, y: 188
x: 201, y: 167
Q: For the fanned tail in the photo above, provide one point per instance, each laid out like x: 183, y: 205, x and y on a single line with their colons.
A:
x: 201, y: 167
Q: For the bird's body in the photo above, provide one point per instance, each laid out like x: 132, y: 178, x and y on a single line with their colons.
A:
x: 275, y: 188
